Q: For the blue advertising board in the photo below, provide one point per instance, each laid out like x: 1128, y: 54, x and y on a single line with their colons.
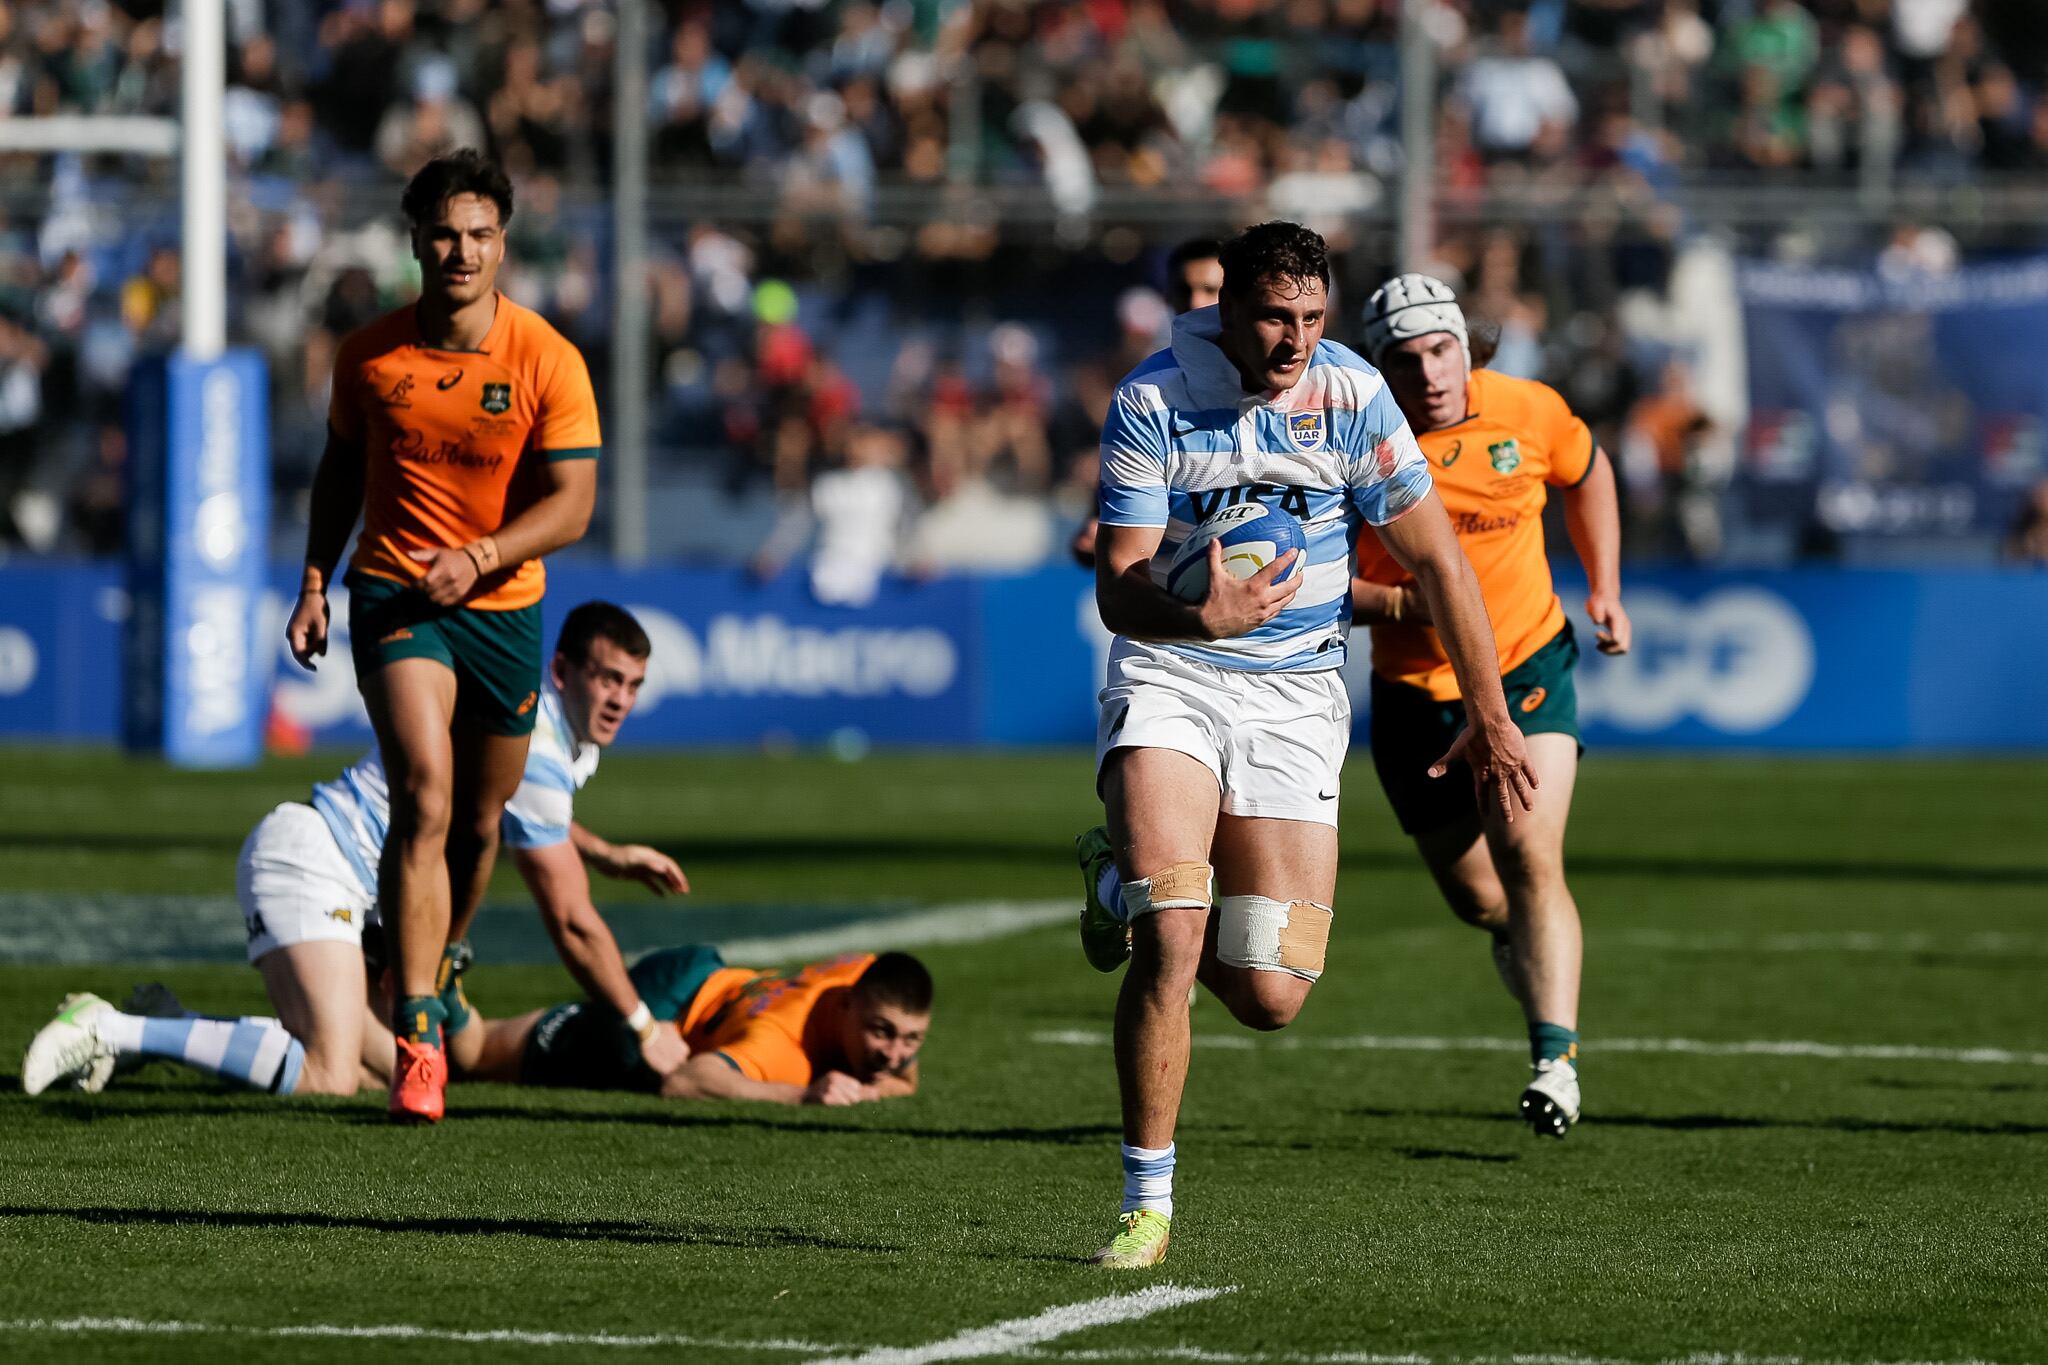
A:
x: 199, y: 518
x: 1896, y: 403
x: 1808, y: 659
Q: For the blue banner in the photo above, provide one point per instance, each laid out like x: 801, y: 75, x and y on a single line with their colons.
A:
x: 199, y: 518
x: 1811, y: 659
x: 1896, y: 404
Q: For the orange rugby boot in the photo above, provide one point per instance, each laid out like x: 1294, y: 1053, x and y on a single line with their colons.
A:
x: 419, y: 1083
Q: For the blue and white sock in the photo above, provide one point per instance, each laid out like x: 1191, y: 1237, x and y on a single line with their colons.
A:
x: 1109, y: 889
x: 1148, y: 1178
x: 257, y: 1052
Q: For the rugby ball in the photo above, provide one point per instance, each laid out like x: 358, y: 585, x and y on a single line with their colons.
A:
x: 1253, y: 536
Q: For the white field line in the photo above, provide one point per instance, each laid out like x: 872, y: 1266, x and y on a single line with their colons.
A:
x: 979, y: 1343
x: 1209, y: 1357
x: 965, y: 922
x: 1857, y: 1052
x: 400, y: 1331
x: 1019, y: 1334
x: 80, y: 928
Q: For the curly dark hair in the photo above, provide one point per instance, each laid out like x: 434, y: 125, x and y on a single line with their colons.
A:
x: 1274, y: 251
x: 467, y: 171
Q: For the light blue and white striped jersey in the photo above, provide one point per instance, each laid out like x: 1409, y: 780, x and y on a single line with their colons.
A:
x: 357, y: 805
x: 1183, y: 439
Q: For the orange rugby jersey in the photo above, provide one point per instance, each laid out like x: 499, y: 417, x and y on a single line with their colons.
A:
x: 453, y: 441
x: 1492, y: 471
x: 768, y: 1024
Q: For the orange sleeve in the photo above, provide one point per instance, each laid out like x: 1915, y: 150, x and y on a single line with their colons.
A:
x: 344, y: 405
x: 764, y: 1052
x: 567, y: 428
x: 1569, y: 439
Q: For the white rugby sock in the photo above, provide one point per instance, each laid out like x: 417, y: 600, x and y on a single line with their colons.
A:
x: 1148, y: 1178
x: 255, y: 1051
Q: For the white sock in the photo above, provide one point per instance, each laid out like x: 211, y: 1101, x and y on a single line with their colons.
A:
x: 1148, y: 1178
x: 257, y: 1052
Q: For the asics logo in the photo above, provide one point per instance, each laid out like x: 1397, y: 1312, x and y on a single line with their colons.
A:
x: 448, y: 381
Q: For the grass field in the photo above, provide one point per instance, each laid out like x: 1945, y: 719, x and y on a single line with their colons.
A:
x: 1356, y: 1185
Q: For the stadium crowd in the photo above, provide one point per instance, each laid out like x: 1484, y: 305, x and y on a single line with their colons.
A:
x: 961, y: 359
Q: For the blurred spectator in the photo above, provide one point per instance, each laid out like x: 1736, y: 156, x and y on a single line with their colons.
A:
x: 940, y: 214
x: 25, y: 512
x: 1671, y: 498
x: 2027, y: 542
x: 857, y: 517
x: 434, y: 122
x: 1522, y: 106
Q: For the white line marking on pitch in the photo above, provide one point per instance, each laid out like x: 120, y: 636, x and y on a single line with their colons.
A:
x: 404, y: 1332
x: 1019, y: 1334
x: 1003, y: 1339
x: 966, y: 922
x: 1197, y: 1353
x: 1859, y: 1052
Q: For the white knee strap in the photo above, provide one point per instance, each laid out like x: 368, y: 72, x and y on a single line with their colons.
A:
x: 1182, y: 886
x: 1266, y: 935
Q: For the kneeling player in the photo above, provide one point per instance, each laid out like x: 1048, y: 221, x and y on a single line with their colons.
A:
x: 307, y: 883
x: 839, y: 1032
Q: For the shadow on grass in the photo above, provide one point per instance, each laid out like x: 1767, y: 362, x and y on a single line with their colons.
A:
x: 863, y: 847
x: 191, y: 1103
x: 1704, y: 1123
x: 1447, y: 1154
x: 1973, y: 1087
x: 547, y: 1229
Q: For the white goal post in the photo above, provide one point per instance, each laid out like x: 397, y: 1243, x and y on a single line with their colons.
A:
x: 195, y: 137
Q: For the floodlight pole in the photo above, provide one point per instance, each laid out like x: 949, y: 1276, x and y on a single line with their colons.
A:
x: 1418, y: 136
x: 626, y: 440
x: 203, y: 165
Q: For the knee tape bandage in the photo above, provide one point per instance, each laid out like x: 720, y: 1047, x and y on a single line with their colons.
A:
x: 1182, y: 886
x: 1273, y: 936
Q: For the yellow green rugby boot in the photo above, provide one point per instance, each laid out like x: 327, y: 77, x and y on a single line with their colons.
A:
x: 1141, y: 1242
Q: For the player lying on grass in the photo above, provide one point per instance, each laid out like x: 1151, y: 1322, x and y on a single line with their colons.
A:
x: 839, y: 1032
x: 307, y: 883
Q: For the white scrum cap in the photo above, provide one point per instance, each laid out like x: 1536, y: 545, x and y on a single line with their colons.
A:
x: 1409, y: 306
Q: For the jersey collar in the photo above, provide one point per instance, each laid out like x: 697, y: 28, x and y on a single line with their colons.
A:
x: 491, y: 336
x: 582, y: 754
x: 1213, y: 380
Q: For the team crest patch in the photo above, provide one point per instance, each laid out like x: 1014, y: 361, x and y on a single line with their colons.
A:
x: 1506, y: 457
x: 1306, y: 429
x: 498, y: 398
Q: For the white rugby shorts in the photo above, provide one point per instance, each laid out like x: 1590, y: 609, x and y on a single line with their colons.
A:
x: 1275, y: 741
x: 295, y: 885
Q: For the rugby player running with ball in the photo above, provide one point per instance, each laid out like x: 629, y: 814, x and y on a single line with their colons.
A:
x: 464, y: 430
x: 1224, y: 722
x: 1495, y: 445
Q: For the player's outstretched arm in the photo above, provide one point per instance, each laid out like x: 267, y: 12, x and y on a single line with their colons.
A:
x: 650, y: 867
x: 1592, y: 517
x: 1134, y: 606
x: 1424, y: 544
x: 710, y: 1077
x: 337, y: 501
x: 584, y: 942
